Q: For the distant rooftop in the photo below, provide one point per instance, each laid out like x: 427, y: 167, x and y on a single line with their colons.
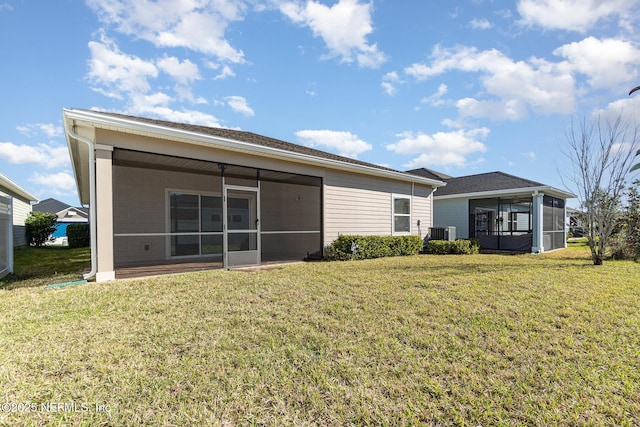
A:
x: 484, y: 182
x: 490, y: 181
x: 429, y: 173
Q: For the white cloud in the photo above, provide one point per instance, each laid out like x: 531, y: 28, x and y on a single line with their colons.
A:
x: 196, y: 25
x: 389, y: 82
x: 606, y: 62
x: 181, y: 116
x: 529, y: 155
x: 224, y: 73
x: 511, y: 109
x: 537, y: 84
x: 184, y: 72
x: 122, y: 76
x: 441, y: 148
x: 344, y: 27
x: 61, y: 181
x: 5, y: 7
x: 345, y: 143
x: 45, y: 155
x: 574, y: 15
x: 239, y: 105
x: 480, y: 24
x: 48, y: 129
x: 436, y: 98
x: 504, y: 13
x: 626, y: 109
x: 117, y: 71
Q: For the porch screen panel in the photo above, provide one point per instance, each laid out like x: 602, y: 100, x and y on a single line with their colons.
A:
x: 211, y: 222
x: 553, y: 223
x: 503, y: 224
x: 185, y: 217
x: 166, y: 209
x: 482, y: 222
x: 291, y: 220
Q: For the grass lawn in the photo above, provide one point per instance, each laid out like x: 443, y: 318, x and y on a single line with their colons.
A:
x: 424, y: 340
x: 46, y: 266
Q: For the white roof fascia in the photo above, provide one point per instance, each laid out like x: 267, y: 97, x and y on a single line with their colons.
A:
x: 507, y: 192
x: 16, y: 189
x: 234, y: 145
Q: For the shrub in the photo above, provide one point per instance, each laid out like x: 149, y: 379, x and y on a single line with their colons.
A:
x: 365, y: 247
x: 456, y: 247
x: 78, y: 235
x: 39, y: 226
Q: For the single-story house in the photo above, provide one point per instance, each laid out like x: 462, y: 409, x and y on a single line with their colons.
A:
x: 161, y: 192
x: 502, y: 211
x: 65, y: 215
x: 15, y: 205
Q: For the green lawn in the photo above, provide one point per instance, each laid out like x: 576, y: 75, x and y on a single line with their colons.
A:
x: 46, y: 265
x: 425, y: 340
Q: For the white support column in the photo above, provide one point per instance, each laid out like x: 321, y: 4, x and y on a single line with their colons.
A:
x: 104, y: 213
x: 538, y: 224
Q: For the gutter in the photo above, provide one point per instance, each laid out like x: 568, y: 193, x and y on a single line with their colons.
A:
x: 92, y: 194
x: 510, y: 191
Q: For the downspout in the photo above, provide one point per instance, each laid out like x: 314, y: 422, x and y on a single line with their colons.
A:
x: 92, y: 197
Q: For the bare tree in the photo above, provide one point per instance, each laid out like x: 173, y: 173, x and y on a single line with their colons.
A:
x: 600, y: 152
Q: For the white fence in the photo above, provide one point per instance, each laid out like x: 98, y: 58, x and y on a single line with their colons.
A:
x: 6, y: 236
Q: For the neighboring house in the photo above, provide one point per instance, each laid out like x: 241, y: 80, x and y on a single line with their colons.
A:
x: 15, y: 205
x: 575, y: 222
x: 66, y: 214
x: 502, y: 211
x: 164, y: 192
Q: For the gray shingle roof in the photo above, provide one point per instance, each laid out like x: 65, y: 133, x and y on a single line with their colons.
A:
x: 50, y: 206
x: 244, y: 136
x: 429, y: 173
x: 491, y: 181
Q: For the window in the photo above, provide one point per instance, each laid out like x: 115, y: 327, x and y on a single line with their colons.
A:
x: 196, y: 224
x: 401, y: 215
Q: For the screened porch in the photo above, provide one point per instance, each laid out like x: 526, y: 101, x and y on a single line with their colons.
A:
x: 509, y: 224
x: 171, y: 211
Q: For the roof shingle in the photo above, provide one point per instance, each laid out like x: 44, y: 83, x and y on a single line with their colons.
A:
x: 248, y: 137
x: 491, y: 181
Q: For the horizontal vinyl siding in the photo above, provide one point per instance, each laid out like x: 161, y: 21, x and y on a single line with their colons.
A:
x: 355, y: 204
x: 21, y: 211
x: 421, y: 210
x: 452, y: 212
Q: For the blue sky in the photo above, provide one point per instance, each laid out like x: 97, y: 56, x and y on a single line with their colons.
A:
x: 462, y: 87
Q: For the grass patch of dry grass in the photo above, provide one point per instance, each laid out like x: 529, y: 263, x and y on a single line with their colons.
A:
x: 435, y: 340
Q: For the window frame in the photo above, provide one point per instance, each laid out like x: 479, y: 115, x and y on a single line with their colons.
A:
x: 199, y: 233
x: 395, y: 214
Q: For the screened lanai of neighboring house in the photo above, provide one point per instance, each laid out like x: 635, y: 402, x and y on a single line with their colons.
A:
x: 175, y: 209
x: 507, y: 223
x: 504, y: 212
